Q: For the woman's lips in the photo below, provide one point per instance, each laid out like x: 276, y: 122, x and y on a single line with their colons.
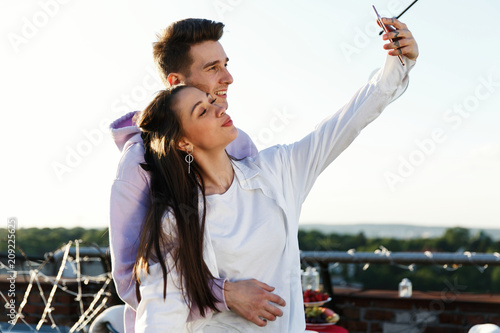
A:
x: 227, y: 123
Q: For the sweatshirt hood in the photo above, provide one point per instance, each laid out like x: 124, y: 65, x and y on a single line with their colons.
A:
x: 125, y: 132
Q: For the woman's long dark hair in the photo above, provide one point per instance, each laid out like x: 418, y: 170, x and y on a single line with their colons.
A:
x: 173, y: 189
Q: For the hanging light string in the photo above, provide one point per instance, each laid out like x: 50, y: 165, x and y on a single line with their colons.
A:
x: 383, y: 256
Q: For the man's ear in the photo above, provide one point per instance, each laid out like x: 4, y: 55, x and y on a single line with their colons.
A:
x: 175, y: 79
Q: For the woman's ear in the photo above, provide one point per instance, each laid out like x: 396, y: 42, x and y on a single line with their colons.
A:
x: 184, y: 145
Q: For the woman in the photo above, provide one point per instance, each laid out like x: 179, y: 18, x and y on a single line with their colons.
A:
x: 241, y: 217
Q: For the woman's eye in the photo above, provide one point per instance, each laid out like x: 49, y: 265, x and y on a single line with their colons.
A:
x: 204, y: 111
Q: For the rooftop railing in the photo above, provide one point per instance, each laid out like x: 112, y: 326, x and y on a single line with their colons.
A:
x: 383, y: 256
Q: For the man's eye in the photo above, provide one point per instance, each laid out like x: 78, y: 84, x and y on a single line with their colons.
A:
x: 204, y: 111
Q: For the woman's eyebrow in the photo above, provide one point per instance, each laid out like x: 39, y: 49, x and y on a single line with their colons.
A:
x: 194, y: 106
x: 199, y: 102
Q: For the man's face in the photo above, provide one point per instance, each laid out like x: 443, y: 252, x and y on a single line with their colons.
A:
x: 209, y: 72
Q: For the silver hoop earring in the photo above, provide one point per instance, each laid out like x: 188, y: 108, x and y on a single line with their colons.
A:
x: 189, y: 159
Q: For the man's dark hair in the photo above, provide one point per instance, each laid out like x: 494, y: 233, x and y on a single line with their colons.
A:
x: 171, y: 51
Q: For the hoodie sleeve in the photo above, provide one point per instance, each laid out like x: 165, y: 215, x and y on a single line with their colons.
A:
x: 129, y: 204
x: 242, y: 146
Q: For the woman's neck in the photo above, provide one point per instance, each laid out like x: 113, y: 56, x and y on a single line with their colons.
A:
x: 216, y: 170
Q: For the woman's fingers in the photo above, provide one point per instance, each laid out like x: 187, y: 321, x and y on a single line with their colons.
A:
x: 398, y: 44
x: 402, y: 41
x: 394, y: 22
x: 401, y: 51
x: 397, y: 34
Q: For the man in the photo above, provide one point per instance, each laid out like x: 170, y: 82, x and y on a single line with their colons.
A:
x: 187, y: 52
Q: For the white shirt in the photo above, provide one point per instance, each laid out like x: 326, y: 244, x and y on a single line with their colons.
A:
x: 279, y: 178
x: 250, y: 245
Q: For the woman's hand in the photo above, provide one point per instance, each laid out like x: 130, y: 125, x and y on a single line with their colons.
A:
x: 403, y: 42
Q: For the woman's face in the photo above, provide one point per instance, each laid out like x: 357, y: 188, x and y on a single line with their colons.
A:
x: 205, y: 124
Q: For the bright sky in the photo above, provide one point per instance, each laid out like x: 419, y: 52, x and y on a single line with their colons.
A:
x: 433, y: 158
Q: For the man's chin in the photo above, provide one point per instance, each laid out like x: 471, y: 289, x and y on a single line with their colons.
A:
x: 219, y: 99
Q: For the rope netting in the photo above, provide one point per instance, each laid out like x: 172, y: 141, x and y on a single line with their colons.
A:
x: 58, y: 284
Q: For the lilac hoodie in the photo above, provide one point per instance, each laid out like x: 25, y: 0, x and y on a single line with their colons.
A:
x: 129, y: 204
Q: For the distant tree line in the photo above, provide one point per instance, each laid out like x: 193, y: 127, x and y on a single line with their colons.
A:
x: 453, y: 279
x: 35, y: 242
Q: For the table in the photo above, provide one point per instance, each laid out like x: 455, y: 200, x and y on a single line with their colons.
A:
x: 326, y: 329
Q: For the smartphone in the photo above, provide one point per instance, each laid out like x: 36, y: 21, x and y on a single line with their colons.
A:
x: 379, y: 19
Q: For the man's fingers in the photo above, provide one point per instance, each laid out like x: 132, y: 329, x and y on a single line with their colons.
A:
x: 276, y: 299
x: 259, y: 322
x: 271, y: 297
x: 268, y: 316
x: 270, y: 313
x: 274, y: 311
x: 263, y: 285
x: 253, y: 300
